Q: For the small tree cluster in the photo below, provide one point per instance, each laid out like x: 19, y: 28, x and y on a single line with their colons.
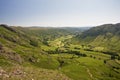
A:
x: 112, y: 57
x: 105, y: 61
x: 1, y: 46
x: 118, y: 57
x: 61, y: 62
x: 77, y: 53
x: 34, y: 43
x: 51, y: 52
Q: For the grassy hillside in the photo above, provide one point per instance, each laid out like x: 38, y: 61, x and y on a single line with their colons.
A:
x: 105, y: 36
x: 48, y: 54
x: 22, y: 47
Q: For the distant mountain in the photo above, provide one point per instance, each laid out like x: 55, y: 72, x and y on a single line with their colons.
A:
x: 69, y: 29
x: 76, y: 30
x: 107, y: 35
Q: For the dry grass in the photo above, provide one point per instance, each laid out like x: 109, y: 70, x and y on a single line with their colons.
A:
x: 30, y: 73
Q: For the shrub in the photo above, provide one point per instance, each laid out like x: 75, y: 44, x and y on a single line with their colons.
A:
x: 112, y: 57
x: 118, y: 57
x: 34, y: 43
x: 105, y: 61
x: 1, y: 46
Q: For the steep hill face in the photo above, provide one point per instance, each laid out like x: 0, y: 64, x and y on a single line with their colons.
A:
x: 106, y: 36
x: 23, y: 45
x: 26, y: 36
x: 12, y: 41
x: 102, y: 30
x: 9, y: 34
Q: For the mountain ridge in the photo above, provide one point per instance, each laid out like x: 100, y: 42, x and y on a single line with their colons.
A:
x: 107, y: 35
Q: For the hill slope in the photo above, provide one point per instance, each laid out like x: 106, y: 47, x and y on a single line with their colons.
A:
x: 106, y: 36
x: 48, y: 53
x: 21, y: 47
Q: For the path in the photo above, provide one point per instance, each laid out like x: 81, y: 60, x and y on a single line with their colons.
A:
x: 90, y: 74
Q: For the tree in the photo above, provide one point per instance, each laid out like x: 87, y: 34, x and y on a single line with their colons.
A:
x: 112, y: 57
x: 34, y: 43
x: 84, y: 55
x: 94, y: 57
x: 61, y: 62
x: 91, y: 56
x: 1, y: 46
x: 118, y: 57
x: 105, y: 61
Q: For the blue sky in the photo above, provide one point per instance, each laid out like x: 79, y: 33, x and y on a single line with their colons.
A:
x: 59, y: 13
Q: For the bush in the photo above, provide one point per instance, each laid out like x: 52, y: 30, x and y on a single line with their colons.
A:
x: 112, y: 57
x: 77, y: 53
x: 34, y: 43
x: 52, y: 52
x: 110, y: 53
x: 105, y: 61
x: 7, y: 27
x: 118, y: 57
x: 77, y: 48
x: 1, y: 46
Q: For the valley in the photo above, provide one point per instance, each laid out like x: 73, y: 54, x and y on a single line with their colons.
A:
x: 60, y: 53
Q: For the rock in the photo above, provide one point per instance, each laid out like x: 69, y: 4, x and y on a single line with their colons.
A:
x: 6, y: 75
x: 3, y: 73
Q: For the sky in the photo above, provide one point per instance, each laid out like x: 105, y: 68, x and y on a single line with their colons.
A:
x: 59, y: 13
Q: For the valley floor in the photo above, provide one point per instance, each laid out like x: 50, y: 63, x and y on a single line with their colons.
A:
x: 60, y: 60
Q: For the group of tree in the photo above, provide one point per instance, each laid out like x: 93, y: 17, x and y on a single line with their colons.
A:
x: 77, y: 53
x: 1, y: 46
x: 34, y: 42
x: 69, y: 52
